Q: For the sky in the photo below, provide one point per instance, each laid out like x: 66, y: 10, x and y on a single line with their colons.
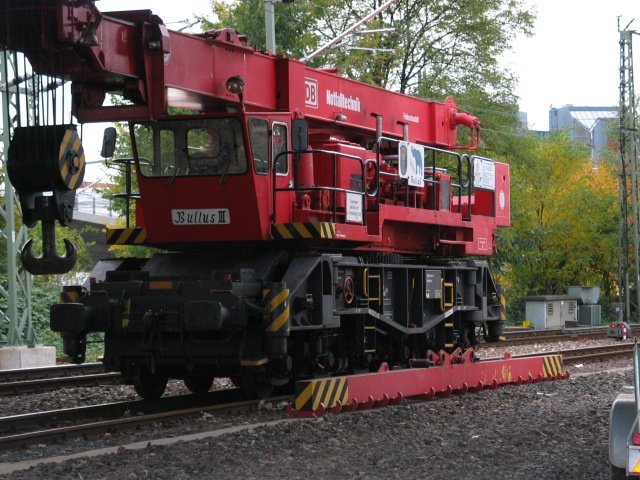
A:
x: 572, y: 58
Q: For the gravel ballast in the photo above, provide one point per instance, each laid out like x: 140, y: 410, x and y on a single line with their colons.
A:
x: 554, y: 430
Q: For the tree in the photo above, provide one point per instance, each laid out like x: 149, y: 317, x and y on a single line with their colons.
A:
x: 438, y: 47
x: 564, y: 215
x: 294, y: 23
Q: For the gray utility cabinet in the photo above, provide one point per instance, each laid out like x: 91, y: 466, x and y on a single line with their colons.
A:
x: 551, y: 311
x: 589, y: 313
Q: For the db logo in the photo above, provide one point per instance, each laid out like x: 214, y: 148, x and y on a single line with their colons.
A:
x: 311, y: 92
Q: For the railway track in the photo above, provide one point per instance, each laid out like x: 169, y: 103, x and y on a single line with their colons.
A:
x: 56, y: 371
x: 19, y: 431
x: 30, y: 380
x: 602, y: 352
x: 524, y: 337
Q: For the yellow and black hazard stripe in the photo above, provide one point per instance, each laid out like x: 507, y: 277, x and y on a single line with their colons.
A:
x: 126, y: 236
x: 328, y: 392
x: 503, y: 310
x: 71, y: 160
x: 277, y: 313
x: 297, y: 231
x: 553, y: 366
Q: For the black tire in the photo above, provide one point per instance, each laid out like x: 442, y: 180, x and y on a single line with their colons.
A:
x: 149, y: 386
x: 198, y: 385
x: 617, y: 473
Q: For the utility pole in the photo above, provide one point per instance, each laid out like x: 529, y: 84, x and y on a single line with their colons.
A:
x: 629, y: 224
x: 270, y: 24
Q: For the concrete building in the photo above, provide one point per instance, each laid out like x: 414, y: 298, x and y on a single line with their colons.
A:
x: 587, y: 125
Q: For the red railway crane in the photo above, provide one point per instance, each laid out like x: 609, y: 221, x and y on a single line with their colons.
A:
x: 315, y: 225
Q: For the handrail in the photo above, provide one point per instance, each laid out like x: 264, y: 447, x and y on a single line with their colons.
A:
x: 463, y: 184
x: 127, y: 195
x: 460, y: 186
x: 334, y: 189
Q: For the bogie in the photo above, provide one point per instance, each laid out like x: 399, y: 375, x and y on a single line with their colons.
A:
x: 288, y: 319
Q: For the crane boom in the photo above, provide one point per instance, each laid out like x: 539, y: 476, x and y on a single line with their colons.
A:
x: 132, y: 53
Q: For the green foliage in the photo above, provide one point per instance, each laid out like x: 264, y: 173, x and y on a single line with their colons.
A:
x: 45, y: 292
x: 565, y: 224
x: 295, y: 23
x: 437, y: 47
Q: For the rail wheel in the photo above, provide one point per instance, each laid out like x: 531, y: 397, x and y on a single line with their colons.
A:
x: 198, y: 385
x: 148, y: 385
x: 256, y: 385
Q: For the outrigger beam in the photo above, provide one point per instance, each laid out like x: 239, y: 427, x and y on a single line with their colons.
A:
x: 456, y: 372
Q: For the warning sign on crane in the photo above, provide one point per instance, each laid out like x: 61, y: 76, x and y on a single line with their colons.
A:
x: 484, y: 173
x: 411, y: 163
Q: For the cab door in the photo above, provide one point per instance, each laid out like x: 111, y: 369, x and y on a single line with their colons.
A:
x: 268, y: 138
x: 283, y: 171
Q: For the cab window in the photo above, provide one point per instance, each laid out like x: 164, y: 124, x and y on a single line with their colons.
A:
x: 259, y: 135
x: 215, y: 148
x: 279, y: 145
x: 189, y: 148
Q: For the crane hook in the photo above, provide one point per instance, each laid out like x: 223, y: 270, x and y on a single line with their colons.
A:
x: 50, y: 262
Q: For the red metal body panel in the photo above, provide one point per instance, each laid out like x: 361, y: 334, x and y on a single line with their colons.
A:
x: 247, y: 215
x: 502, y: 195
x: 321, y: 96
x: 216, y: 61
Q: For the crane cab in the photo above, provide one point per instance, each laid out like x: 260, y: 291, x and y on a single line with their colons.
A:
x: 209, y: 179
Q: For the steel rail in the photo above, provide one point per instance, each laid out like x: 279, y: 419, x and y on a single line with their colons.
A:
x: 130, y: 420
x: 533, y: 336
x: 588, y: 353
x: 19, y: 374
x: 48, y: 384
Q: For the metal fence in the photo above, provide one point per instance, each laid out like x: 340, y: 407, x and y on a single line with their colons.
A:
x: 93, y: 203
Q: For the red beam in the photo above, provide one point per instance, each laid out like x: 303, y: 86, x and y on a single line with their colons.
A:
x: 451, y: 373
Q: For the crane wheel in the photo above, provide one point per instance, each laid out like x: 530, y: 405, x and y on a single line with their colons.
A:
x: 149, y: 386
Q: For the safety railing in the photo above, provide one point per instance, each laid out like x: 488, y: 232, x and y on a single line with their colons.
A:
x: 298, y: 156
x: 463, y: 183
x: 94, y: 204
